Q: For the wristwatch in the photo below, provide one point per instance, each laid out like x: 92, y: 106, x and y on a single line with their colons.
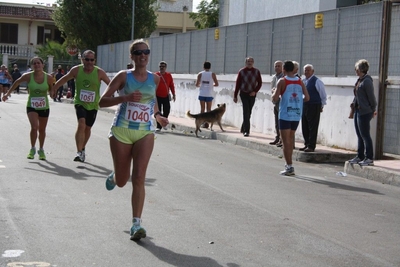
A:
x: 157, y: 113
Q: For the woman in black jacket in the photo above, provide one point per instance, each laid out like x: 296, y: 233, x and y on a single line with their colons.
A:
x: 365, y: 109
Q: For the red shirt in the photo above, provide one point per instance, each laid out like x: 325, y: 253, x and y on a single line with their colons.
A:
x: 166, y: 84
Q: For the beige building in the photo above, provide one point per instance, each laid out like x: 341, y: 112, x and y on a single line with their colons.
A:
x: 173, y: 17
x: 22, y: 28
x: 25, y: 26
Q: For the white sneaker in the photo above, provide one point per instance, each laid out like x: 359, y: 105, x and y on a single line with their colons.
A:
x: 79, y: 157
x: 288, y: 171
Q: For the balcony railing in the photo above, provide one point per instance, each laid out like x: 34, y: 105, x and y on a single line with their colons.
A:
x: 18, y: 51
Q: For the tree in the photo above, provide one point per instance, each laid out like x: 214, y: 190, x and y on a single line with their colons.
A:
x: 362, y: 2
x: 89, y: 23
x: 53, y: 48
x: 207, y: 16
x: 59, y: 51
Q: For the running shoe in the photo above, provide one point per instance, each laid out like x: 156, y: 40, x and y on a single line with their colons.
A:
x: 355, y: 160
x: 288, y: 171
x: 137, y: 232
x: 79, y: 157
x: 366, y: 162
x: 32, y: 153
x: 42, y: 156
x: 110, y: 183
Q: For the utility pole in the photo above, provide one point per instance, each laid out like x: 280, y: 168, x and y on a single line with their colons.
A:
x: 133, y: 19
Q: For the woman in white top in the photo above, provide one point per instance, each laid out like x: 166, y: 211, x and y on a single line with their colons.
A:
x: 206, y: 80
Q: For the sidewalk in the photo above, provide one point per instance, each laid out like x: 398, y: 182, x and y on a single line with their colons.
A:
x: 384, y: 171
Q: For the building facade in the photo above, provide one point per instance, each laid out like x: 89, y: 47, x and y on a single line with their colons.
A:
x: 233, y: 12
x: 22, y: 28
x: 173, y: 17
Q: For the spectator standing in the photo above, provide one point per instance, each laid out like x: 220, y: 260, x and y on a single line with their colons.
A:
x: 312, y: 109
x: 206, y: 80
x: 291, y: 91
x: 248, y: 83
x: 278, y: 74
x: 163, y: 92
x: 58, y: 76
x: 15, y: 76
x: 364, y: 111
x: 71, y: 84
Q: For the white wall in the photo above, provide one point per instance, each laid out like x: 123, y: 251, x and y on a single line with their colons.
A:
x: 244, y: 11
x: 335, y: 129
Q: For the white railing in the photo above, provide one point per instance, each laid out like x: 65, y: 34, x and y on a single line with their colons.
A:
x: 18, y: 51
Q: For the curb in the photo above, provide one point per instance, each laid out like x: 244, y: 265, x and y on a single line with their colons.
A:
x: 315, y: 157
x: 374, y: 173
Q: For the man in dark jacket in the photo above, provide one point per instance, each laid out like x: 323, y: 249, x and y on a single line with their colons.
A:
x: 59, y: 74
x: 15, y: 75
x: 312, y: 109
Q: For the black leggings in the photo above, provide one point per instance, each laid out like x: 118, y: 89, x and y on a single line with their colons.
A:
x: 164, y: 106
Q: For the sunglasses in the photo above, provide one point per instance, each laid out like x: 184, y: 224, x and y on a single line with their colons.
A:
x: 162, y: 66
x: 89, y: 59
x: 139, y: 52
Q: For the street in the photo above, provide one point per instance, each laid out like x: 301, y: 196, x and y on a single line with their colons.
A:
x: 208, y: 203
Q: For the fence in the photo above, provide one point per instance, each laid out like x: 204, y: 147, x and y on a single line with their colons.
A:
x: 348, y: 34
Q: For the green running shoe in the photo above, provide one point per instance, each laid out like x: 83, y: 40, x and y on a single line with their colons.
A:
x: 31, y: 154
x: 42, y: 156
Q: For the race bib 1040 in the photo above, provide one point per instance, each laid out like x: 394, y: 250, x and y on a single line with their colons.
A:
x: 137, y: 112
x: 87, y: 96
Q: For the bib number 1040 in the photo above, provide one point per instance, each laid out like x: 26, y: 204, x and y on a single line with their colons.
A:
x: 137, y: 112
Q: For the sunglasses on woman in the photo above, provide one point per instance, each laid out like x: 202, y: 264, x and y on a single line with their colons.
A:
x: 139, y: 52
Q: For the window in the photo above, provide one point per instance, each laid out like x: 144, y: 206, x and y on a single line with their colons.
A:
x: 40, y: 35
x: 8, y: 33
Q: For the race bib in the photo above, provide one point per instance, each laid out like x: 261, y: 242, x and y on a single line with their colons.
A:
x: 38, y: 102
x: 137, y: 112
x: 87, y: 96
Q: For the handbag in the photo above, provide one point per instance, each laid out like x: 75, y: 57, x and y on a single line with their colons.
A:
x: 169, y: 94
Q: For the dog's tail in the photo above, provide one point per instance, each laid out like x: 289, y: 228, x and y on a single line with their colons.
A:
x: 193, y: 116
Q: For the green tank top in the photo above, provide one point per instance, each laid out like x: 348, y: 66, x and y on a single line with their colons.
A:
x: 38, y: 94
x: 87, y: 92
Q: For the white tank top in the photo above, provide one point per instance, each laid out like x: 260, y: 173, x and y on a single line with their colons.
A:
x: 206, y: 84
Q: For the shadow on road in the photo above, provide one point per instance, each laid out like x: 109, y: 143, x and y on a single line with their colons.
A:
x: 177, y: 259
x: 337, y: 185
x: 53, y: 168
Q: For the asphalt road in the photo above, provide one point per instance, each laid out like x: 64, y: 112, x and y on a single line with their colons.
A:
x: 208, y: 204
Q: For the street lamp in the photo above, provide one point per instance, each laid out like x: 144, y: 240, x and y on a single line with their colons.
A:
x: 185, y: 9
x: 133, y: 19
